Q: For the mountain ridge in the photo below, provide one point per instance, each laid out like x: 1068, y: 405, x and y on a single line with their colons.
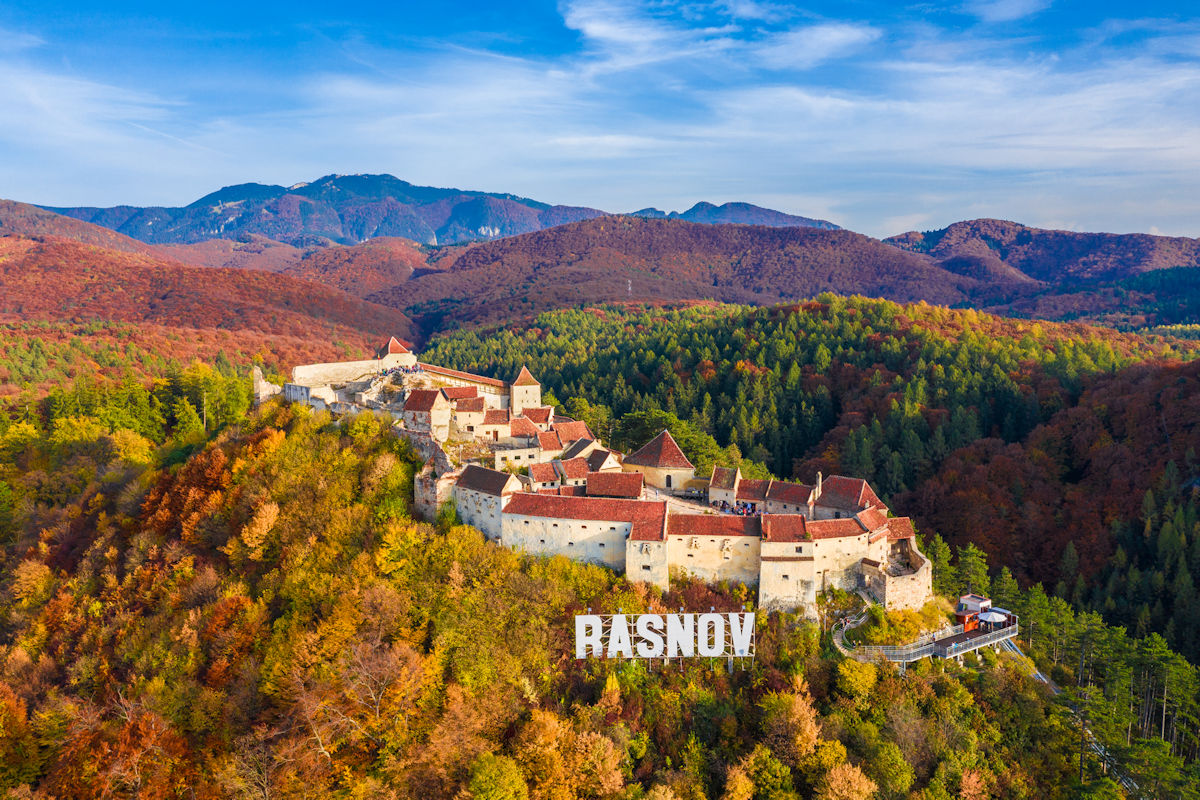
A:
x: 349, y: 209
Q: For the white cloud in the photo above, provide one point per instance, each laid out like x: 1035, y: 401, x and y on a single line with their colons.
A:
x: 1005, y: 10
x: 806, y: 47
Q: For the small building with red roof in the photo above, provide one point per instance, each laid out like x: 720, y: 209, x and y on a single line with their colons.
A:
x: 428, y: 411
x: 662, y: 462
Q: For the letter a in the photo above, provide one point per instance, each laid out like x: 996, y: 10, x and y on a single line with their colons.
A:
x: 620, y: 643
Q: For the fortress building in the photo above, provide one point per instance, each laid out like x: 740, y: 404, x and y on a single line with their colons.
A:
x: 556, y: 490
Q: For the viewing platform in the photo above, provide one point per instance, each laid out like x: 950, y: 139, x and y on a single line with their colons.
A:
x: 980, y: 626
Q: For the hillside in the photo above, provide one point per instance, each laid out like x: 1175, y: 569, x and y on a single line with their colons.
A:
x: 625, y: 258
x: 1050, y: 256
x: 93, y: 283
x: 1017, y: 437
x: 24, y: 219
x: 264, y: 619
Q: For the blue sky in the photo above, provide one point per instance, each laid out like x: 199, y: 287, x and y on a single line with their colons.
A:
x: 880, y: 116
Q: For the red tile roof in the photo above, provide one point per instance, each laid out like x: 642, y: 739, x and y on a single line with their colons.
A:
x: 572, y: 431
x: 565, y: 491
x: 752, y: 491
x: 470, y: 404
x: 495, y: 416
x: 900, y: 528
x: 543, y: 473
x: 851, y: 494
x: 795, y: 528
x: 463, y: 376
x: 614, y: 484
x: 648, y: 518
x: 834, y: 528
x: 723, y: 478
x: 549, y: 441
x: 873, y: 519
x: 423, y: 400
x: 540, y: 415
x: 573, y: 468
x: 712, y: 525
x: 791, y: 493
x: 661, y: 452
x: 784, y: 528
x: 460, y: 392
x: 521, y: 426
x: 525, y: 379
x: 393, y: 347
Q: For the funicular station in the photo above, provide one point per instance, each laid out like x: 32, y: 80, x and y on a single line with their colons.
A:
x: 978, y: 625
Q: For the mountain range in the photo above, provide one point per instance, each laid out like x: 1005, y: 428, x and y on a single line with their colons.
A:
x: 421, y: 289
x: 348, y: 209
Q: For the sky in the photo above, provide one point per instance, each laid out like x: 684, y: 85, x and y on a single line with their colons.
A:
x: 880, y: 116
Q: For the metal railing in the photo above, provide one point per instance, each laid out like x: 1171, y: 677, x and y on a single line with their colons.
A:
x: 974, y: 643
x: 915, y: 650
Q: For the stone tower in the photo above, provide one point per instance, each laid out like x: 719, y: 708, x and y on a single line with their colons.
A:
x: 523, y: 393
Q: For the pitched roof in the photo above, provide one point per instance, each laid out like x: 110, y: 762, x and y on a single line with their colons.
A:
x: 795, y: 493
x: 900, y: 528
x: 723, y: 478
x: 648, y: 518
x: 572, y: 431
x: 572, y: 468
x: 597, y: 458
x: 393, y: 347
x: 482, y: 479
x: 540, y: 415
x: 712, y: 525
x: 460, y: 392
x: 543, y: 473
x: 525, y: 379
x: 661, y: 451
x: 753, y: 491
x: 873, y: 519
x: 521, y: 426
x: 495, y: 416
x: 423, y: 399
x: 470, y: 404
x: 835, y: 528
x: 852, y: 494
x: 614, y: 484
x: 549, y: 441
x: 462, y: 376
x: 784, y: 528
x: 577, y: 448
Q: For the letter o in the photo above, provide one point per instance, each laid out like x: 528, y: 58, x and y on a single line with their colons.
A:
x: 710, y: 635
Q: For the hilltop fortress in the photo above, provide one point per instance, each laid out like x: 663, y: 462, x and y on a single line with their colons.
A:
x: 544, y: 484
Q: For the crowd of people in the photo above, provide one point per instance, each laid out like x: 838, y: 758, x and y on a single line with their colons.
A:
x: 413, y: 370
x: 739, y: 509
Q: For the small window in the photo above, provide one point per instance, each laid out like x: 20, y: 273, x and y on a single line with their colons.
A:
x: 526, y: 522
x: 837, y: 515
x: 691, y: 555
x: 799, y: 549
x: 570, y: 544
x: 602, y: 544
x: 787, y: 577
x: 543, y: 541
x: 646, y: 567
x: 584, y: 527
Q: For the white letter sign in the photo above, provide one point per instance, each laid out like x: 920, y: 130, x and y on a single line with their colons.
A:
x: 712, y: 635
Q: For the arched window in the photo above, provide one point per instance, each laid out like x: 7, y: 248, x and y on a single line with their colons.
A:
x: 668, y: 481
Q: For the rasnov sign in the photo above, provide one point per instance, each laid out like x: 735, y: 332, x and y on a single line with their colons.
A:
x: 664, y: 635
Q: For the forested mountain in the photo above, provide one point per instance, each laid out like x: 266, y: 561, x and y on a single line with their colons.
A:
x: 253, y: 613
x: 737, y: 214
x: 991, y: 245
x: 52, y: 279
x: 624, y: 258
x: 352, y: 208
x: 1020, y: 437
